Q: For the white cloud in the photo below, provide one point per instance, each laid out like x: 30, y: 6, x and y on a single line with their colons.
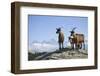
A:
x: 42, y: 47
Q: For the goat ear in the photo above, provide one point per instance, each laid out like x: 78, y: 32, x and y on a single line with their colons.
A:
x: 56, y: 29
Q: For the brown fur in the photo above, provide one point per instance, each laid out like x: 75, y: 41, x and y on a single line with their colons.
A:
x: 61, y: 37
x: 77, y: 40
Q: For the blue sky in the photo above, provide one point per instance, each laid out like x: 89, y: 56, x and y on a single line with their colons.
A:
x: 42, y: 28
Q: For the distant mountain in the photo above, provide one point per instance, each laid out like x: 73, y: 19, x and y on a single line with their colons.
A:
x: 52, y: 41
x: 48, y: 46
x: 35, y: 41
x: 44, y: 46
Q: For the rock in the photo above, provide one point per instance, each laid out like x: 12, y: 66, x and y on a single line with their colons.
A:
x: 68, y: 54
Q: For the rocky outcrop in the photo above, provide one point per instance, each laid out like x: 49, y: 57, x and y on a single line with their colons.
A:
x: 70, y: 54
x: 67, y: 54
x: 63, y: 54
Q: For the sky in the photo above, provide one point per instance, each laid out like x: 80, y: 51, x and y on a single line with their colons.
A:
x: 43, y: 28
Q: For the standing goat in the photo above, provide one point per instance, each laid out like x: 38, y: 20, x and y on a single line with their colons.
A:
x: 76, y: 39
x: 60, y: 38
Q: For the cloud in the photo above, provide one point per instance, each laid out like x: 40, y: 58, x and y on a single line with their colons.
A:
x: 42, y: 47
